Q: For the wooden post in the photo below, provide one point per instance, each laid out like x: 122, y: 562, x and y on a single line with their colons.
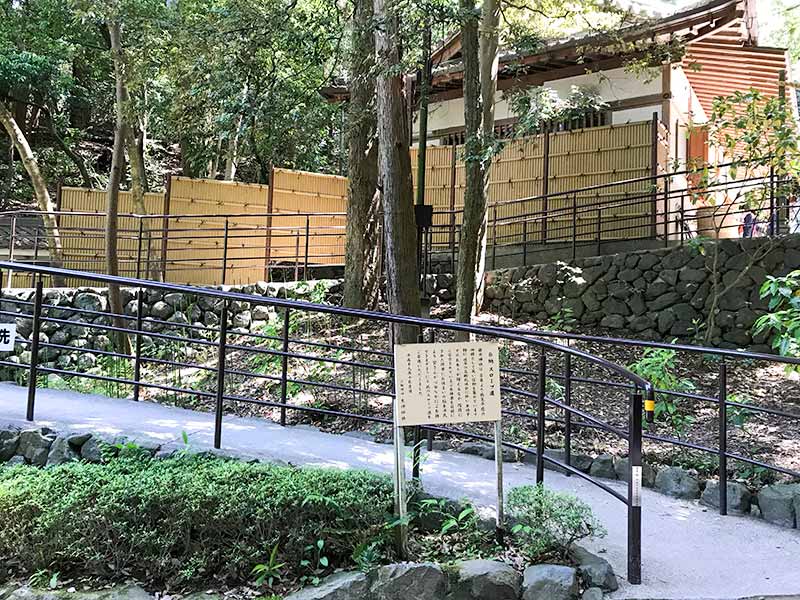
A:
x: 165, y: 228
x: 268, y: 237
x: 653, y: 171
x: 453, y: 198
x: 545, y: 182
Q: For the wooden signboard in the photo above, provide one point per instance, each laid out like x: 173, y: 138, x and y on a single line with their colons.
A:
x: 445, y: 383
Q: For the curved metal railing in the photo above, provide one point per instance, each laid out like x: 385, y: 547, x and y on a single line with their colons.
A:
x: 517, y: 385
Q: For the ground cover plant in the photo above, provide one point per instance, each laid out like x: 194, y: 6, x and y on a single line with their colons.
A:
x: 195, y: 520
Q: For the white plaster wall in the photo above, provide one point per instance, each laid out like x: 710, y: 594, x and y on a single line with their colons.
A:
x: 612, y: 85
x: 615, y: 84
x: 635, y: 115
x: 685, y: 105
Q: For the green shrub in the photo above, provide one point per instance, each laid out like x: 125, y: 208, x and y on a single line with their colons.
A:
x: 189, y: 517
x: 548, y: 522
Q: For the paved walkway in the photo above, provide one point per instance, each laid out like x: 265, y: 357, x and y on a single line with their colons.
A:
x: 689, y: 552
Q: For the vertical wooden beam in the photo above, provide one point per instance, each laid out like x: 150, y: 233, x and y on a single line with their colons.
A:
x: 545, y: 182
x: 268, y: 236
x: 165, y: 227
x: 653, y: 171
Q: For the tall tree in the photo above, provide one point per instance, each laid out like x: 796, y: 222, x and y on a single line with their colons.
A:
x: 43, y: 199
x: 394, y: 168
x: 473, y: 228
x: 362, y: 248
x: 112, y: 192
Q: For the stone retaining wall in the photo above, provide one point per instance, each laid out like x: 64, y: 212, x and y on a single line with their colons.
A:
x: 163, y: 312
x: 657, y: 294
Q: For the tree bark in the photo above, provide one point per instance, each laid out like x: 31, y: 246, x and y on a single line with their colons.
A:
x: 76, y: 158
x: 362, y: 254
x: 121, y: 341
x: 43, y: 199
x: 473, y: 228
x: 232, y: 154
x: 394, y: 167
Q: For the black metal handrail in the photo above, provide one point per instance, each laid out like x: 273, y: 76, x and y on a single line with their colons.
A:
x: 218, y: 338
x: 721, y: 400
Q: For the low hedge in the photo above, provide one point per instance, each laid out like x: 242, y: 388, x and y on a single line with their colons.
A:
x: 185, y: 518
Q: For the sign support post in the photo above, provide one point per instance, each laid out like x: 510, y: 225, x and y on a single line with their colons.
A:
x: 401, y: 509
x: 442, y: 383
x: 498, y: 463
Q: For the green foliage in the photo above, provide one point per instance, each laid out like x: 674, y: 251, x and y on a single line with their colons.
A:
x: 657, y: 366
x: 738, y: 415
x: 783, y: 320
x: 107, y: 366
x: 549, y: 522
x: 536, y: 106
x: 270, y: 571
x: 190, y: 518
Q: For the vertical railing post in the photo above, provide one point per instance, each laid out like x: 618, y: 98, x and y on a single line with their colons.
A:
x: 35, y: 258
x: 574, y: 225
x: 635, y: 489
x: 37, y: 326
x: 12, y: 244
x: 305, y: 264
x: 682, y: 217
x: 284, y: 366
x: 225, y: 252
x: 525, y: 243
x: 494, y: 238
x: 139, y: 252
x: 137, y: 360
x: 223, y: 336
x: 599, y: 231
x: 774, y: 227
x: 567, y: 413
x: 296, y: 254
x: 540, y: 418
x: 723, y: 438
x: 666, y: 212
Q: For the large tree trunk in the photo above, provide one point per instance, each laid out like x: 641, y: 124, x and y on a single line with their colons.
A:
x: 489, y: 60
x: 121, y: 342
x: 394, y: 167
x: 362, y: 253
x: 473, y: 227
x: 43, y: 199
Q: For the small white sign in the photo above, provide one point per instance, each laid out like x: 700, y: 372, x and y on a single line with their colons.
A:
x: 8, y: 334
x: 456, y: 382
x: 636, y: 487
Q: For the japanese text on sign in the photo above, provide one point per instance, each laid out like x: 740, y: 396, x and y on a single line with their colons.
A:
x: 447, y: 383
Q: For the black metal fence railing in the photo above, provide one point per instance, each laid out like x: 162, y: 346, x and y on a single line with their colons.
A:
x: 284, y: 346
x: 668, y: 209
x: 723, y: 400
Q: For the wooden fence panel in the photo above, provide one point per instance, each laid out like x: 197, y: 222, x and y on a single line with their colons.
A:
x: 195, y: 250
x: 83, y: 236
x: 323, y: 236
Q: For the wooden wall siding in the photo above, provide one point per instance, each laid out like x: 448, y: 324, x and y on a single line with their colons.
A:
x: 577, y: 159
x: 83, y: 236
x: 196, y: 238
